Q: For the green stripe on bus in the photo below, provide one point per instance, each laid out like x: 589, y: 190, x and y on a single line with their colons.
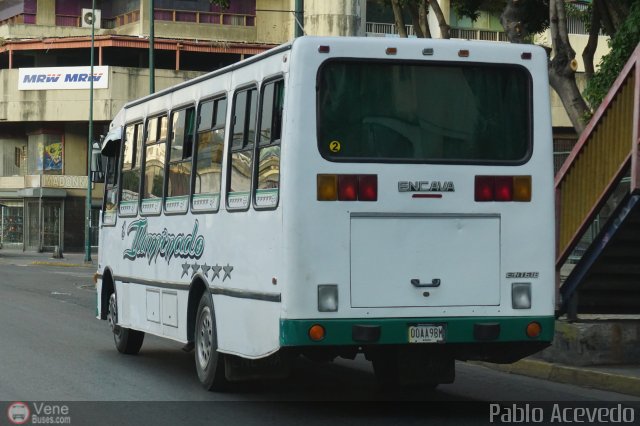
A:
x: 395, y: 330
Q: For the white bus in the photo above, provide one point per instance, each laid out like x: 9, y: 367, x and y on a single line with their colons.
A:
x: 334, y: 197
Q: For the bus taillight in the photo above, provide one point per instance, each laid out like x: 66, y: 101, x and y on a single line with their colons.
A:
x: 347, y: 187
x: 368, y: 188
x: 484, y: 188
x: 502, y: 188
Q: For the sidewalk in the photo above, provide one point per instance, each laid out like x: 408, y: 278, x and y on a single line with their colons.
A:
x: 25, y: 258
x: 623, y: 379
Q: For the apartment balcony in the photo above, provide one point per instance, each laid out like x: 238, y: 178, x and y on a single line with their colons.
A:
x: 169, y: 23
x: 377, y: 29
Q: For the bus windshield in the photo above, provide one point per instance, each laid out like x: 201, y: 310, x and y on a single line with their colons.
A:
x: 424, y: 112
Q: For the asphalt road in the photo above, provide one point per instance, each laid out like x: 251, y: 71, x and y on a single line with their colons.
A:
x: 52, y: 348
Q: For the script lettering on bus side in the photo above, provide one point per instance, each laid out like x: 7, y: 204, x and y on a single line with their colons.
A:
x: 164, y: 244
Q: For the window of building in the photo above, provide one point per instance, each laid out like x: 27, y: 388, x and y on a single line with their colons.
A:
x: 268, y: 173
x: 180, y: 152
x: 242, y: 144
x: 155, y: 151
x: 131, y: 157
x: 12, y: 215
x: 46, y: 154
x: 209, y: 149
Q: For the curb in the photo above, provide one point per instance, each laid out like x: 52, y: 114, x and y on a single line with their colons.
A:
x: 571, y: 375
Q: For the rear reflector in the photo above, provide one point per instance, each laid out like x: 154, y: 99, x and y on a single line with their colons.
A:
x: 502, y: 188
x: 347, y: 187
x: 316, y: 332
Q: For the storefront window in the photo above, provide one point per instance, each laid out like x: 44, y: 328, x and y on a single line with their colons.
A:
x: 46, y: 154
x: 12, y: 223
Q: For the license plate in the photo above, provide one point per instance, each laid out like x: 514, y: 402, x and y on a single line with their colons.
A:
x: 427, y: 333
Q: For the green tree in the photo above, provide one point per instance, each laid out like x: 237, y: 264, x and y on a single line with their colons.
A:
x: 622, y: 44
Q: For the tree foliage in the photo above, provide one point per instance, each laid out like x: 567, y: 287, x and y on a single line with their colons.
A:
x: 222, y: 3
x: 621, y: 45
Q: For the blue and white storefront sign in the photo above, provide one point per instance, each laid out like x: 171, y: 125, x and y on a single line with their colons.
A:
x: 63, y: 78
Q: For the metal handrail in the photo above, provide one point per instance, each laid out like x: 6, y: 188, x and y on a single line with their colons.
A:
x: 599, y: 160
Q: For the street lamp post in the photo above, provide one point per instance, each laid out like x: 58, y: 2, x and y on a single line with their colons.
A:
x: 152, y: 71
x: 87, y: 218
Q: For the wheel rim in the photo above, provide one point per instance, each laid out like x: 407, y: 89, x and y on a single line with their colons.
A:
x: 205, y: 338
x: 112, y: 315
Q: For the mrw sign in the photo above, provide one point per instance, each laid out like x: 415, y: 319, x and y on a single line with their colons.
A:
x: 63, y: 78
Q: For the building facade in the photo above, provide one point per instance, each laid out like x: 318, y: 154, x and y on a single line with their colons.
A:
x: 44, y: 92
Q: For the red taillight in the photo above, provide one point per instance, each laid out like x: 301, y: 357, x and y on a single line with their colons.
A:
x: 347, y: 187
x: 368, y: 188
x: 503, y: 188
x: 484, y: 188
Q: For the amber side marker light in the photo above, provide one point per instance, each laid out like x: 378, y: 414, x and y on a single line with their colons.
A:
x: 316, y: 332
x: 464, y: 53
x: 391, y: 51
x: 534, y: 329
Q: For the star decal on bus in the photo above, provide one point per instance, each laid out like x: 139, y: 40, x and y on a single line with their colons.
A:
x: 205, y: 269
x: 195, y: 268
x: 216, y: 271
x: 227, y: 271
x: 185, y: 269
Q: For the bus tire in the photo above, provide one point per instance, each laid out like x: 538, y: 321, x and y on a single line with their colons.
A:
x: 127, y: 341
x: 209, y: 362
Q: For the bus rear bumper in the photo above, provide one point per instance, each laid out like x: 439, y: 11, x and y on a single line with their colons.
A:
x: 493, y: 339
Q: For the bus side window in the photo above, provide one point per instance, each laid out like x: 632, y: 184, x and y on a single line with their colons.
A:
x: 111, y: 190
x: 131, y: 170
x: 180, y: 150
x: 268, y: 173
x: 208, y: 152
x: 244, y: 131
x: 155, y: 148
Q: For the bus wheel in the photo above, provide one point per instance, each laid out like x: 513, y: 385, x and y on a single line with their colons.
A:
x: 209, y: 363
x: 127, y: 341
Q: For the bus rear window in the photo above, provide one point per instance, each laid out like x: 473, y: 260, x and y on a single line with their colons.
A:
x: 417, y: 112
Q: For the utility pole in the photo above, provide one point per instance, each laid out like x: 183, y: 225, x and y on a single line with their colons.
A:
x: 152, y: 71
x: 87, y: 218
x: 299, y: 17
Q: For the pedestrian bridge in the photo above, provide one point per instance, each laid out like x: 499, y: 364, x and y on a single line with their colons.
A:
x: 598, y: 207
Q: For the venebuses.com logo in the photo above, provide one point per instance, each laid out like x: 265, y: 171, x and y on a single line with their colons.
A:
x: 18, y: 413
